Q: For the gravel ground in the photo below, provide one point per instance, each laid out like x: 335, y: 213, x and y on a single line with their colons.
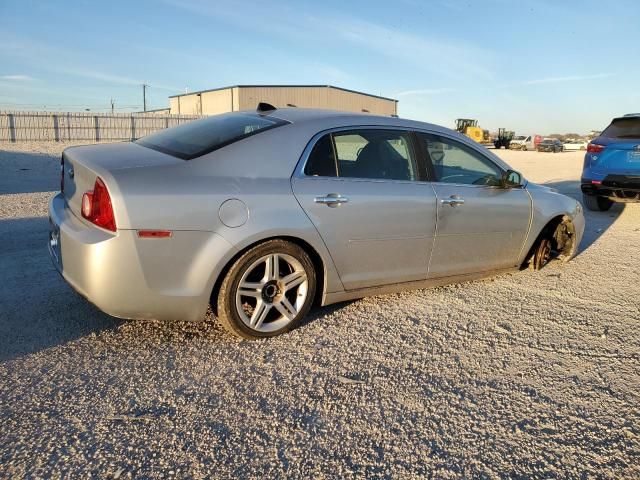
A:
x: 534, y: 374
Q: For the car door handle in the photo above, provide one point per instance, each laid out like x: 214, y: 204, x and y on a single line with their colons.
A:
x: 453, y: 200
x: 331, y: 199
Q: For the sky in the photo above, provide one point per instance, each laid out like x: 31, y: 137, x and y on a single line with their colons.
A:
x: 534, y: 66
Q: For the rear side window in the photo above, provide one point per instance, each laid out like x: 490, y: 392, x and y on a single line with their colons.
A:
x: 376, y: 154
x: 623, y: 128
x: 322, y: 161
x: 371, y: 153
x: 200, y: 137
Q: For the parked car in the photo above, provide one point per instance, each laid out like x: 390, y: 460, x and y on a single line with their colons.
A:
x: 611, y: 171
x: 262, y: 214
x: 550, y: 145
x: 525, y: 142
x: 574, y: 145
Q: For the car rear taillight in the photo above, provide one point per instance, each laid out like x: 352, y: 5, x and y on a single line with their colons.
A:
x: 594, y: 148
x: 97, y: 208
x: 62, y: 174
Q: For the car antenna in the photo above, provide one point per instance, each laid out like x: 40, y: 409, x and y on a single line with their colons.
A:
x: 265, y: 107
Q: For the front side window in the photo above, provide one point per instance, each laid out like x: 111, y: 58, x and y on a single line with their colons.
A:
x: 454, y: 162
x: 376, y: 154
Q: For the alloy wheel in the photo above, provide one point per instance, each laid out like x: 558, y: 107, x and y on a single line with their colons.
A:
x: 271, y: 292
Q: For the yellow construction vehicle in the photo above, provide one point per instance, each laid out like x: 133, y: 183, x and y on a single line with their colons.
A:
x: 470, y: 128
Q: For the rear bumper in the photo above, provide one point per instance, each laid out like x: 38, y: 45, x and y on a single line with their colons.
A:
x: 623, y: 188
x: 129, y: 277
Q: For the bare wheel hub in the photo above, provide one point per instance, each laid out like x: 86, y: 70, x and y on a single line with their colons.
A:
x: 543, y: 254
x: 270, y: 291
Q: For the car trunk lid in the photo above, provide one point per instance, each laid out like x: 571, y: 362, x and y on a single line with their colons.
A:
x: 81, y: 166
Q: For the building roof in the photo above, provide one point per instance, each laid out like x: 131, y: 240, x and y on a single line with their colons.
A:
x: 283, y: 86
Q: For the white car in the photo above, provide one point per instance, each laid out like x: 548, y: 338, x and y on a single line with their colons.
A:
x: 262, y: 214
x: 575, y: 145
x: 523, y: 142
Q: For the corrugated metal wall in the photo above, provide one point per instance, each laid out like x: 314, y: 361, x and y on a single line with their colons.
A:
x: 315, y: 97
x: 247, y: 98
x: 71, y: 126
x: 217, y: 101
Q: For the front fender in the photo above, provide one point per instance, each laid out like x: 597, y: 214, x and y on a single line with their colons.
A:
x: 547, y: 205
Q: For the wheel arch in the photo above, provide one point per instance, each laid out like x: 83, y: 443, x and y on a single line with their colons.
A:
x: 319, y: 264
x: 556, y: 229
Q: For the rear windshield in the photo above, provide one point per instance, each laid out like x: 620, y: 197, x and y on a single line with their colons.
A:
x: 199, y: 137
x: 623, y: 128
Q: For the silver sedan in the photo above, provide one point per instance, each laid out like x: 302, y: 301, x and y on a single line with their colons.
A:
x: 263, y: 214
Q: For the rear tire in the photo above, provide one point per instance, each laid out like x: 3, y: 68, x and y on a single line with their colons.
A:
x: 597, y: 204
x: 267, y: 291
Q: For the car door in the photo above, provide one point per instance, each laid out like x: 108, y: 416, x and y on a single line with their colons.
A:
x: 530, y: 143
x: 480, y: 225
x: 363, y: 191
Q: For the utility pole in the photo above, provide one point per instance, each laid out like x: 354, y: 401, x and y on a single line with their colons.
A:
x: 144, y: 96
x: 112, y: 105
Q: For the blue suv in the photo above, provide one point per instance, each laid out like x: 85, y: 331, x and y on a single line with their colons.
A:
x: 611, y: 170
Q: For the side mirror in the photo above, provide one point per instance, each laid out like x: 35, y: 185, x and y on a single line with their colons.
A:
x: 511, y: 179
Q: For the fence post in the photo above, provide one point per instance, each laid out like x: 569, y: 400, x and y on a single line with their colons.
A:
x: 97, y: 127
x: 133, y: 128
x: 12, y: 128
x: 56, y: 128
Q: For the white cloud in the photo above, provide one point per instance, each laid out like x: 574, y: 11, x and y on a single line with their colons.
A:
x: 104, y: 77
x: 443, y: 56
x: 331, y: 73
x: 425, y: 91
x: 440, y: 56
x: 570, y: 78
x: 40, y: 55
x: 16, y: 78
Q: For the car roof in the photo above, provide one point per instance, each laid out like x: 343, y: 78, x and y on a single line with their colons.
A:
x: 338, y: 118
x: 317, y: 120
x: 626, y: 116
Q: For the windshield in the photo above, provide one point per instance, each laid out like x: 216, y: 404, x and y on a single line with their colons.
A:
x: 520, y: 137
x: 193, y: 139
x: 623, y: 128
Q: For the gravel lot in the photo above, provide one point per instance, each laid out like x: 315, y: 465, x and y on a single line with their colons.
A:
x: 535, y: 374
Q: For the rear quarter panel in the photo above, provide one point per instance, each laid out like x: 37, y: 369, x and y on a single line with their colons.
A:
x: 188, y: 196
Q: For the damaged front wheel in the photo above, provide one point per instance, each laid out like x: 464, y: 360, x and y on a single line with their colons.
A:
x: 555, y: 241
x: 542, y: 254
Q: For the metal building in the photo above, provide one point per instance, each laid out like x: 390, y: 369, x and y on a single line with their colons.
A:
x: 247, y: 97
